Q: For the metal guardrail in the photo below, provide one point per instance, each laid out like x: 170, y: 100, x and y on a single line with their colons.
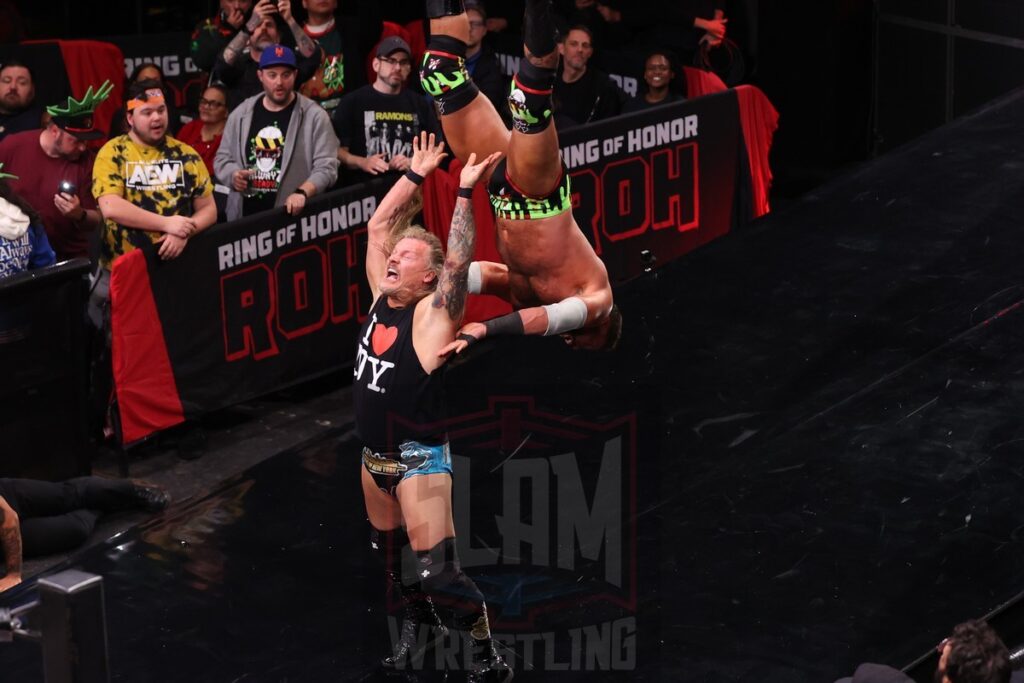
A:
x: 72, y: 627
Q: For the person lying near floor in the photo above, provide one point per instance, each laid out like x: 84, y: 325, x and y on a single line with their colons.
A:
x: 44, y: 518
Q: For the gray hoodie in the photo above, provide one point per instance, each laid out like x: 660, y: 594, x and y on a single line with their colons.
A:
x: 311, y: 151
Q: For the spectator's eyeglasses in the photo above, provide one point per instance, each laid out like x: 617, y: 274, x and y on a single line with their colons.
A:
x: 942, y: 646
x: 210, y: 103
x: 404, y: 63
x: 477, y: 24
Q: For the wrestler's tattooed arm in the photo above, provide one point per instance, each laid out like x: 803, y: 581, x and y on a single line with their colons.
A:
x: 452, y: 288
x: 10, y: 541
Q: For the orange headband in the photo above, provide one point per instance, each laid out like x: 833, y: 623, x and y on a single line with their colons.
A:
x: 152, y: 96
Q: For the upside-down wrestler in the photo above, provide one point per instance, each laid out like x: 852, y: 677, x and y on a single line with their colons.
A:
x: 550, y: 273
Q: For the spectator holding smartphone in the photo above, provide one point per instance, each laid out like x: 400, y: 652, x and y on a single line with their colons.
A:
x: 213, y: 34
x: 55, y: 172
x: 270, y: 24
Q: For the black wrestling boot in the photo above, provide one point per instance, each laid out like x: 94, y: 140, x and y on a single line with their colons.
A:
x: 483, y: 663
x: 418, y: 613
x: 444, y: 8
x: 489, y: 667
x: 540, y: 33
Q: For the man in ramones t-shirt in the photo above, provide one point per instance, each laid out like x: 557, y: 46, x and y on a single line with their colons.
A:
x: 376, y: 124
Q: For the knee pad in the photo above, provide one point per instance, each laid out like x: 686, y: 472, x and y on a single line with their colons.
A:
x: 442, y: 578
x: 444, y: 77
x: 530, y: 98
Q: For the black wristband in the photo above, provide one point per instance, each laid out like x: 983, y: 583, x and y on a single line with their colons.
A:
x: 299, y: 190
x: 414, y: 176
x: 466, y: 192
x: 468, y: 338
x: 511, y: 323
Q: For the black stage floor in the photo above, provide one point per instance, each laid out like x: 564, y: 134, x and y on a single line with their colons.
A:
x: 806, y: 454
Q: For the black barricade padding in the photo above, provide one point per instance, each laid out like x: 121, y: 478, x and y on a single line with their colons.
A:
x: 44, y: 365
x: 251, y: 307
x: 661, y: 180
x: 271, y: 300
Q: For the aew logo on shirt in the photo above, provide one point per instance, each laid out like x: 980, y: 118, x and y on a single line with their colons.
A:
x: 380, y: 338
x: 160, y: 175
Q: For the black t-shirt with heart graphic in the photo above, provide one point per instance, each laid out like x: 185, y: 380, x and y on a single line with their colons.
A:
x: 396, y: 400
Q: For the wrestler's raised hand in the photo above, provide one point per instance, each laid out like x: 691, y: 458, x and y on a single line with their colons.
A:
x: 472, y: 171
x: 469, y: 334
x: 427, y: 154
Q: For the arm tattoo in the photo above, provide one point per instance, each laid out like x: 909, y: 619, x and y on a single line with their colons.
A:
x: 235, y: 47
x: 453, y: 287
x: 305, y: 44
x: 10, y: 541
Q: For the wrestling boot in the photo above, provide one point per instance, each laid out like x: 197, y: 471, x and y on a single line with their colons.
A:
x: 483, y: 663
x: 489, y: 668
x: 418, y: 614
x: 540, y: 32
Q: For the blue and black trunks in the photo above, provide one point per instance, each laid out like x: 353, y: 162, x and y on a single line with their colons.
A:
x: 412, y: 459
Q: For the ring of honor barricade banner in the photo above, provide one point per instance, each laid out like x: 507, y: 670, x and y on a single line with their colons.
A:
x: 272, y: 300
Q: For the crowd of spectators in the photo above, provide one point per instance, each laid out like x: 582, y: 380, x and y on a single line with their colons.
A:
x: 357, y: 63
x: 295, y: 98
x: 299, y: 98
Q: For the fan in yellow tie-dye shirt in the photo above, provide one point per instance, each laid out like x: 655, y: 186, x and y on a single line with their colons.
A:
x: 164, y: 180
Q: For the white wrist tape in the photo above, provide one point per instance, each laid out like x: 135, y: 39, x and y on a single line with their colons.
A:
x: 473, y: 279
x: 565, y: 316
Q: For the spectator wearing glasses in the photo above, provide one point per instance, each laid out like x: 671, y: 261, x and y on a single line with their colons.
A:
x: 204, y: 133
x: 377, y: 123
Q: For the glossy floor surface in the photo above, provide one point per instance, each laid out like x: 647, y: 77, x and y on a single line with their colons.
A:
x: 806, y: 453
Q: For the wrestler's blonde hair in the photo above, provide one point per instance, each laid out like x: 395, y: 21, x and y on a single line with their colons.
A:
x: 402, y: 227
